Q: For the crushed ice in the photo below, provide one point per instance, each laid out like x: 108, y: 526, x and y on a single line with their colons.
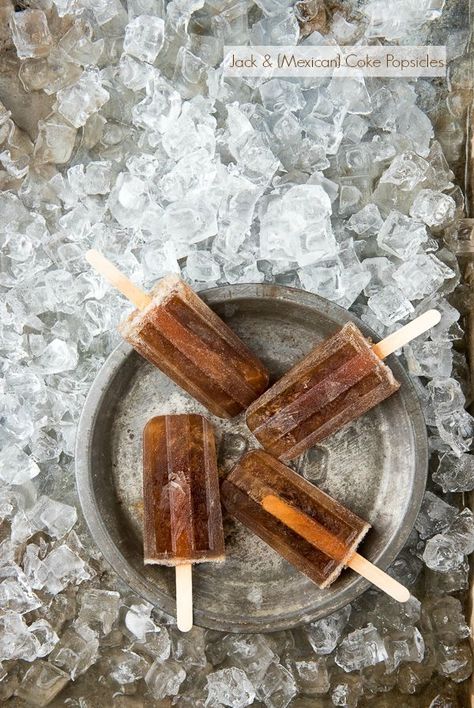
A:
x: 144, y: 150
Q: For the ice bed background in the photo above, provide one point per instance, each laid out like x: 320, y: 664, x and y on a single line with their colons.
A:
x: 118, y: 131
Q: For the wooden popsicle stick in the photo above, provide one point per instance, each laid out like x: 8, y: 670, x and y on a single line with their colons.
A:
x: 315, y: 534
x: 379, y: 578
x: 103, y: 266
x: 405, y: 334
x: 184, y: 597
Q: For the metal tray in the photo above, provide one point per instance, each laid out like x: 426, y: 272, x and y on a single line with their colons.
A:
x: 377, y: 466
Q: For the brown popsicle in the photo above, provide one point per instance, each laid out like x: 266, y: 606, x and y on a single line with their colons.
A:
x: 314, y: 532
x: 182, y: 511
x: 177, y: 332
x: 338, y: 381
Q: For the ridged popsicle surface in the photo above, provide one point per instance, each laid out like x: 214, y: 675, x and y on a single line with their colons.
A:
x: 182, y: 510
x: 258, y: 475
x: 337, y: 382
x: 186, y: 340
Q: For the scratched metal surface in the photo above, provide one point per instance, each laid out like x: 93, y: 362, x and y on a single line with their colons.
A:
x: 376, y: 466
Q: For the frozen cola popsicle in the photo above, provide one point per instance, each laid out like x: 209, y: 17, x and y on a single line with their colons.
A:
x: 177, y: 332
x: 182, y: 510
x: 339, y: 380
x: 314, y: 532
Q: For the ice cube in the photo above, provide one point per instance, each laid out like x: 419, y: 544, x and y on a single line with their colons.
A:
x: 156, y: 644
x: 454, y: 662
x: 16, y: 641
x: 381, y: 270
x: 95, y: 178
x: 434, y: 516
x: 77, y: 650
x: 281, y: 29
x: 325, y: 278
x: 201, y: 266
x: 447, y: 328
x: 107, y: 10
x: 138, y: 620
x: 41, y: 683
x: 81, y: 100
x: 350, y: 199
x: 278, y: 687
x: 439, y: 583
x: 15, y: 592
x: 346, y: 690
x: 415, y: 125
x: 59, y: 568
x: 446, y: 396
x: 422, y: 275
x: 16, y: 467
x: 462, y: 531
x: 413, y: 677
x: 135, y: 74
x: 430, y: 359
x: 30, y: 33
x: 404, y: 646
x: 311, y: 676
x: 251, y: 149
x: 144, y: 37
x: 455, y: 473
x: 355, y: 127
x: 78, y: 44
x: 56, y: 357
x: 401, y: 236
x: 295, y: 227
x: 164, y: 678
x: 45, y: 635
x: 362, y: 647
x: 390, y: 305
x: 159, y: 259
x: 444, y: 617
x: 366, y: 222
x: 191, y: 220
x: 189, y: 648
x: 55, y: 141
x: 251, y: 653
x: 99, y: 608
x: 406, y: 171
x: 445, y: 552
x: 230, y: 687
x: 127, y: 667
x: 392, y: 615
x: 350, y: 94
x: 55, y: 518
x: 456, y: 430
x: 277, y: 94
x: 435, y: 209
x: 160, y: 108
x: 325, y: 134
x: 128, y: 200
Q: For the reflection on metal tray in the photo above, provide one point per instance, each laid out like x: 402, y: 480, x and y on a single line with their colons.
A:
x: 376, y: 466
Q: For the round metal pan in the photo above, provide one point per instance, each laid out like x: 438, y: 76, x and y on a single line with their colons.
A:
x: 376, y: 466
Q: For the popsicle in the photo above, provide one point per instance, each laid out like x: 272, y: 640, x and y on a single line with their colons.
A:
x: 338, y: 381
x: 314, y: 532
x: 177, y: 332
x: 182, y: 511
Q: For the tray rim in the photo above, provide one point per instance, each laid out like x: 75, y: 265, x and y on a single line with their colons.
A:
x: 90, y: 505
